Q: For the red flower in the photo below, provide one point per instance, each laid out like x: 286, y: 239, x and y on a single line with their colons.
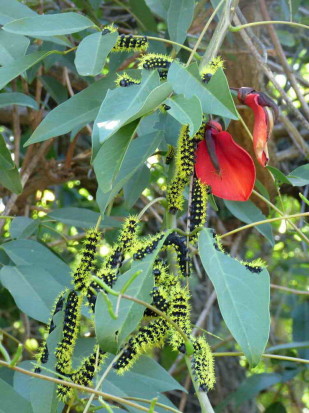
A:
x: 223, y: 165
x: 263, y: 119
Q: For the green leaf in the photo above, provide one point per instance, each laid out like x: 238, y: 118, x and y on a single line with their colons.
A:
x: 33, y: 288
x: 12, y: 47
x: 278, y: 175
x: 80, y: 109
x: 93, y: 51
x: 16, y: 98
x: 179, y: 19
x: 123, y: 105
x: 300, y: 317
x: 112, y: 333
x: 215, y: 97
x: 248, y: 213
x: 135, y: 186
x: 18, y: 66
x: 56, y: 90
x: 49, y: 24
x: 300, y: 176
x: 6, y: 161
x: 82, y: 218
x: 23, y: 227
x: 13, y: 9
x: 11, y: 401
x: 10, y: 179
x: 112, y: 154
x: 186, y: 111
x: 159, y: 7
x: 144, y: 17
x: 27, y: 252
x: 138, y: 152
x: 243, y: 297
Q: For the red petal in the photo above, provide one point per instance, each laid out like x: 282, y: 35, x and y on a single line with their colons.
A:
x: 260, y: 128
x: 237, y: 171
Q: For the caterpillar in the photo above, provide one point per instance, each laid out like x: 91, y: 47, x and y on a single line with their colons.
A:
x: 159, y: 300
x: 198, y: 206
x: 170, y: 154
x: 83, y: 271
x: 209, y: 70
x: 65, y: 348
x: 84, y: 374
x: 255, y: 266
x: 147, y: 246
x: 152, y: 61
x: 146, y: 338
x: 179, y: 245
x: 179, y: 312
x: 185, y: 156
x: 203, y: 364
x: 163, y: 277
x: 43, y: 354
x: 125, y: 80
x: 127, y: 42
x: 174, y: 193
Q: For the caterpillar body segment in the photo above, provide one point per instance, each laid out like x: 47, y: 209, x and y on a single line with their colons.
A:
x: 160, y: 300
x: 71, y: 321
x: 210, y: 69
x: 131, y: 43
x: 185, y: 156
x: 162, y: 275
x: 152, y: 61
x: 178, y: 243
x: 179, y: 311
x: 255, y: 266
x: 125, y: 80
x: 43, y: 353
x: 83, y: 272
x: 198, y: 207
x: 128, y: 235
x: 147, y: 246
x: 203, y: 364
x: 170, y: 154
x: 174, y: 194
x: 146, y: 339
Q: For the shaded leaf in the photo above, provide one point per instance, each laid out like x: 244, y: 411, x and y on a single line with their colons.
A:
x: 247, y: 212
x: 56, y: 90
x: 123, y: 105
x: 179, y: 19
x: 82, y: 218
x: 145, y: 19
x: 92, y: 53
x: 12, y: 47
x: 159, y: 7
x: 135, y: 186
x: 79, y: 110
x: 243, y: 297
x: 300, y: 176
x: 11, y: 401
x: 18, y: 66
x: 16, y: 98
x: 49, y: 24
x: 186, y: 111
x: 33, y: 288
x: 23, y: 227
x: 13, y: 9
x: 10, y: 179
x: 279, y: 176
x: 139, y: 150
x: 215, y: 97
x: 27, y: 252
x: 6, y: 161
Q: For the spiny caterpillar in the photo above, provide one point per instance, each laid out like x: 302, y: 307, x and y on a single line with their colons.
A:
x: 160, y: 299
x: 146, y: 339
x: 125, y: 80
x: 256, y: 266
x: 65, y: 348
x: 174, y: 194
x: 153, y: 61
x: 203, y: 364
x: 83, y: 271
x: 147, y: 246
x: 84, y: 374
x: 185, y: 156
x: 127, y: 42
x: 43, y: 354
x: 178, y: 243
x: 210, y: 69
x: 179, y: 312
x: 198, y: 206
x: 170, y: 154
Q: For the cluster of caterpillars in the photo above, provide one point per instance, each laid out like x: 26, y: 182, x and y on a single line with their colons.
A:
x: 168, y: 295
